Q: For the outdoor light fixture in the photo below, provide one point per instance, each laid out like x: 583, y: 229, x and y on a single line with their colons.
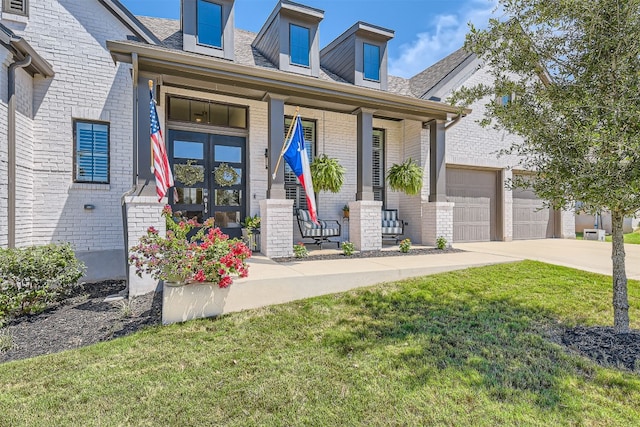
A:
x: 266, y: 158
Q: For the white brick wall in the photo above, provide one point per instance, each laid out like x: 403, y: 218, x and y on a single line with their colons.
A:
x: 142, y: 213
x: 276, y: 228
x: 365, y: 225
x: 72, y: 36
x: 437, y: 221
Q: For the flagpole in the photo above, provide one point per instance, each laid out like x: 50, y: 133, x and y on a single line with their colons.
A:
x: 285, y: 146
x: 150, y: 143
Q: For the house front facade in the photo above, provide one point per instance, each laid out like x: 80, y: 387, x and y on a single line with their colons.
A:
x: 225, y: 97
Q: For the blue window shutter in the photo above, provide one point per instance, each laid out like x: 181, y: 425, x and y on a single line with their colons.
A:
x: 92, y: 152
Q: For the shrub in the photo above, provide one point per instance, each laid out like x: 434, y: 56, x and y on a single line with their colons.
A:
x: 300, y: 250
x: 348, y: 248
x: 405, y: 245
x: 441, y: 243
x: 33, y: 277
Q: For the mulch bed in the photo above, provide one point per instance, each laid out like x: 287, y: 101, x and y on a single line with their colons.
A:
x: 82, y: 319
x: 602, y: 346
x: 371, y: 254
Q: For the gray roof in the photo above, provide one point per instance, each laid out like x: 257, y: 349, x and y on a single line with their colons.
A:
x: 424, y: 81
x: 170, y: 35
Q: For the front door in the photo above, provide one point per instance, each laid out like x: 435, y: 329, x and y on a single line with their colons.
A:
x: 209, y: 173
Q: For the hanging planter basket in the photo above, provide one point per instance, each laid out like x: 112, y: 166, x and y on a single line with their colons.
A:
x: 327, y: 174
x: 405, y: 177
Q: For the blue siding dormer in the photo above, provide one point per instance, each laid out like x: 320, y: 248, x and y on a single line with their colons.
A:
x: 208, y: 27
x: 289, y: 38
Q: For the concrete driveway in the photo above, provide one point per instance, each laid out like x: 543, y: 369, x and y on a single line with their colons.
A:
x: 585, y: 255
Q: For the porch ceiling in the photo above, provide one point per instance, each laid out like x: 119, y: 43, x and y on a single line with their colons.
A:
x: 184, y: 69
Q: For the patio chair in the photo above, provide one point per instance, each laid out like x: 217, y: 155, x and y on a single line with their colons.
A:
x: 392, y: 226
x: 320, y: 232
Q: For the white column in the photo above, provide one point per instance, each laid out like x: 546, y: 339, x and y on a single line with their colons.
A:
x: 276, y: 228
x: 365, y: 225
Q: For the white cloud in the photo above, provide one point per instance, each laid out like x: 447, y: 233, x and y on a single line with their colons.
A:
x: 445, y: 35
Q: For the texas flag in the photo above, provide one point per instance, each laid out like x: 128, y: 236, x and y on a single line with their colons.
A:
x: 296, y: 156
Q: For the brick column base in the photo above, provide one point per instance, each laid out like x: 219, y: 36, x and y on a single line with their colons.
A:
x: 437, y: 220
x: 568, y: 224
x: 276, y: 228
x: 142, y: 213
x: 365, y: 225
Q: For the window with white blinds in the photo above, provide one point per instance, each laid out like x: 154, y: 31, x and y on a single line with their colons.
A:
x: 91, y: 146
x: 19, y: 7
x: 378, y: 165
x: 292, y: 186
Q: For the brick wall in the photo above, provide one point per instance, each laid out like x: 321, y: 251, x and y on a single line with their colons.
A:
x: 72, y: 36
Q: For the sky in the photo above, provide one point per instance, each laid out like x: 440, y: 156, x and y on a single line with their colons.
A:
x: 425, y: 30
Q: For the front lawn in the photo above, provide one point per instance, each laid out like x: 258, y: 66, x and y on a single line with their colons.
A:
x: 462, y: 348
x: 631, y: 238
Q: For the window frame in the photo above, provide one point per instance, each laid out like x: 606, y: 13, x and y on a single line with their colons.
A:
x: 365, y: 62
x: 201, y: 43
x: 308, y: 47
x: 382, y: 188
x: 76, y: 178
x: 6, y: 8
x: 300, y: 198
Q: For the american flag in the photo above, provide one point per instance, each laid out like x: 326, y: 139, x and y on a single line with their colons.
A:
x: 161, y: 169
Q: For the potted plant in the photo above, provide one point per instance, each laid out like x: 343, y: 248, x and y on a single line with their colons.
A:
x: 327, y: 174
x: 405, y: 177
x: 250, y: 230
x: 177, y: 259
x: 345, y: 211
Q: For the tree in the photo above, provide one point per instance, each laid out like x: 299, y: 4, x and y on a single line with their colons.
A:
x: 569, y: 73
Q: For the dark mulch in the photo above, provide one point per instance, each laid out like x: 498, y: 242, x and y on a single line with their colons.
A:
x: 604, y: 347
x: 83, y: 318
x: 371, y: 254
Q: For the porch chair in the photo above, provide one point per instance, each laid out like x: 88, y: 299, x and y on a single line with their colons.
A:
x: 392, y: 226
x: 321, y: 232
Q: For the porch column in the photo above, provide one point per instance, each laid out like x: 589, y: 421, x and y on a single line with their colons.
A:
x: 364, y: 189
x: 437, y: 213
x: 275, y: 187
x: 437, y: 162
x: 276, y: 236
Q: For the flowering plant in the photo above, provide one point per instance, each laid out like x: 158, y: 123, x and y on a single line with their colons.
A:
x: 405, y: 245
x: 190, y: 252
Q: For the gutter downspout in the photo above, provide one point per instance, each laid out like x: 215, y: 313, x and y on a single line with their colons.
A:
x: 134, y: 186
x: 11, y: 150
x: 453, y: 122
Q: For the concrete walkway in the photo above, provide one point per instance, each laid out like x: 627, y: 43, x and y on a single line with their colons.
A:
x: 587, y: 255
x: 270, y: 282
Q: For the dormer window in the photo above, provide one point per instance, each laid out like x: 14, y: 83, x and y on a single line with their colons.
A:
x: 208, y: 27
x: 359, y: 55
x: 371, y: 62
x: 299, y: 45
x: 209, y: 23
x: 289, y: 38
x: 18, y: 7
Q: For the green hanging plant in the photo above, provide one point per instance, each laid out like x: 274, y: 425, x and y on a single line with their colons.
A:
x: 405, y: 177
x: 327, y: 174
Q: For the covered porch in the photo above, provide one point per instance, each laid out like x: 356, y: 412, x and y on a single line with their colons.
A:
x: 367, y: 130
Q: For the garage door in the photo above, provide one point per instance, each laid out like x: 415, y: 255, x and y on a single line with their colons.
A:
x: 475, y: 198
x: 531, y: 220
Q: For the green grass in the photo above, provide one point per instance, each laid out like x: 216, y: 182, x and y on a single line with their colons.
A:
x: 630, y: 238
x: 461, y: 348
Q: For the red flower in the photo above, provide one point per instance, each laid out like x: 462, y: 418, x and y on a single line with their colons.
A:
x: 225, y: 282
x: 199, y: 276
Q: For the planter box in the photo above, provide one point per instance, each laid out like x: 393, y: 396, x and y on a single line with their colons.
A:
x: 192, y: 301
